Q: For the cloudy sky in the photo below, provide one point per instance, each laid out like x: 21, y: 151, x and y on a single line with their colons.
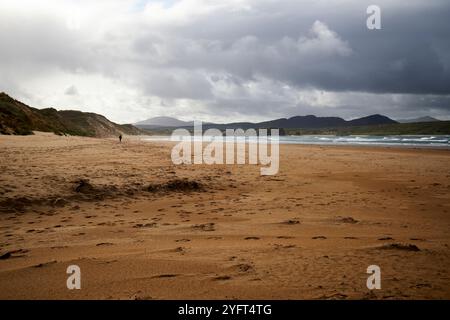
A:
x: 227, y: 60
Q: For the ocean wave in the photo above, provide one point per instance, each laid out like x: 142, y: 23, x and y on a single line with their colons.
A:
x: 434, y: 141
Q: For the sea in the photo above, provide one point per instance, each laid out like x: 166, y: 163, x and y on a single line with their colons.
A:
x: 437, y: 141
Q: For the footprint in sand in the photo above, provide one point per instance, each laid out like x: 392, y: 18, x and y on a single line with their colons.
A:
x: 45, y: 264
x: 182, y: 240
x: 400, y: 246
x: 290, y: 222
x: 181, y: 250
x: 349, y: 220
x: 14, y: 254
x: 278, y: 246
x: 204, y: 227
x: 166, y: 275
x: 104, y: 244
x: 222, y: 278
x: 145, y: 225
x: 251, y: 238
x: 58, y: 247
x: 243, y: 268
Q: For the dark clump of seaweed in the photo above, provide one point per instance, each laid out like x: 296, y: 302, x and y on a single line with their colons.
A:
x: 177, y: 185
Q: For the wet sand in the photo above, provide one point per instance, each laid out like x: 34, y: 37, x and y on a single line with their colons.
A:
x: 140, y: 227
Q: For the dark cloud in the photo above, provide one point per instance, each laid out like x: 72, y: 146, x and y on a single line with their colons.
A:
x: 232, y: 60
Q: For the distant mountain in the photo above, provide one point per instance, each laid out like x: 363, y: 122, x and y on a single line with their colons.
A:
x: 303, y: 122
x: 18, y: 118
x: 309, y: 121
x: 372, y: 120
x: 417, y: 120
x: 164, y: 122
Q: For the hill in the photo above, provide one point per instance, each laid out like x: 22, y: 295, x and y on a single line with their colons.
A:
x: 311, y: 121
x: 18, y: 118
x: 164, y: 122
x: 422, y: 128
x: 304, y: 125
x: 304, y: 122
x: 373, y: 120
x: 421, y: 119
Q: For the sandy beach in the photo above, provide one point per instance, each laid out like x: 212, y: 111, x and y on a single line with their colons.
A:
x: 140, y: 227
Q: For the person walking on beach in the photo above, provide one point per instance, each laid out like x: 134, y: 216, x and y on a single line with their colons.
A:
x: 120, y: 138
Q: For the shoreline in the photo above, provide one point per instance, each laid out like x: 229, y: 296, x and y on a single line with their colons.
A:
x: 356, y: 144
x: 141, y: 138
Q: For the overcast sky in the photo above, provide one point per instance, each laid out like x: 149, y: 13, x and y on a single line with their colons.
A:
x: 227, y: 60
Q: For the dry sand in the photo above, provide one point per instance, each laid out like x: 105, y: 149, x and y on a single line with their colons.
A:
x: 309, y: 232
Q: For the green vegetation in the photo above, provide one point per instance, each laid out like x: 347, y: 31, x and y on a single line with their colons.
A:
x: 421, y: 128
x: 160, y: 132
x: 20, y: 119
